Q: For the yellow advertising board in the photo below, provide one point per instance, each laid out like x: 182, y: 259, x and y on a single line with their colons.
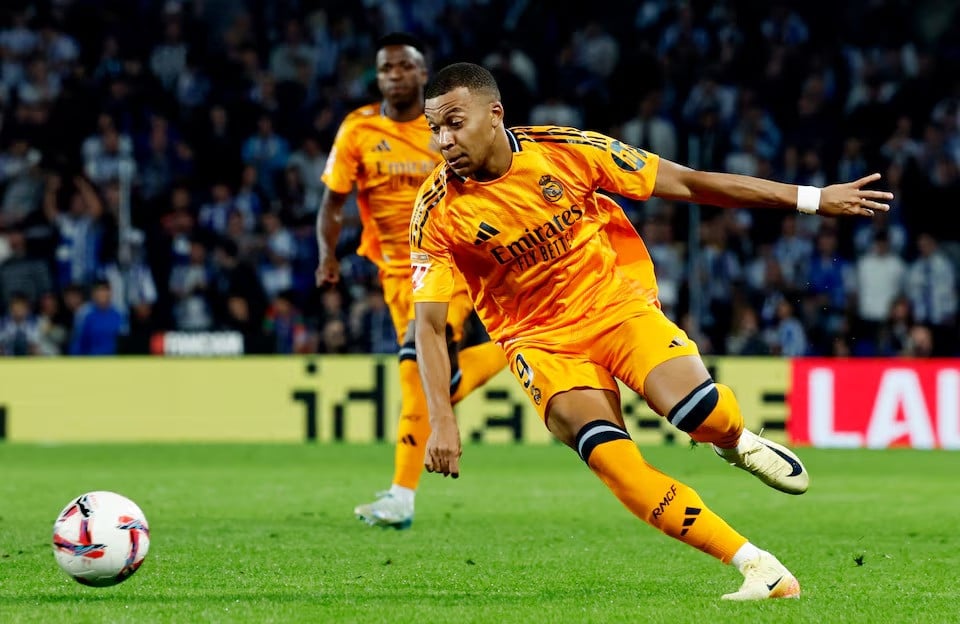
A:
x: 277, y: 398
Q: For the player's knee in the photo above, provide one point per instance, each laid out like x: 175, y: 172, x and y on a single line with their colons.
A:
x: 694, y: 409
x: 595, y: 433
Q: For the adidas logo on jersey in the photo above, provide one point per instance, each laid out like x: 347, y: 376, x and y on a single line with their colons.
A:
x: 382, y: 146
x: 485, y: 233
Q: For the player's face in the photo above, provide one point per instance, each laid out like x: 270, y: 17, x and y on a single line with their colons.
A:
x: 401, y: 75
x: 464, y: 127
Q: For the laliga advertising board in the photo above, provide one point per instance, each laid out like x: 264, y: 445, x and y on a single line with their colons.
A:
x: 875, y: 403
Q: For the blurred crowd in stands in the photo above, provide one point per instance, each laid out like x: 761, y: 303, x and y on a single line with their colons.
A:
x: 160, y: 161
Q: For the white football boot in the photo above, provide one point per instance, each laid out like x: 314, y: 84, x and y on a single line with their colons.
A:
x: 387, y: 511
x: 772, y: 463
x: 765, y: 577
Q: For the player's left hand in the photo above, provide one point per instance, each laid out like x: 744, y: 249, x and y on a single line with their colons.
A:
x: 851, y: 198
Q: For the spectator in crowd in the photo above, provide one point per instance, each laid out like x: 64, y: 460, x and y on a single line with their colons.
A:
x: 667, y: 257
x: 217, y: 145
x: 285, y: 325
x: 894, y: 334
x: 251, y: 199
x: 793, y: 251
x: 787, y: 337
x: 554, y: 110
x: 829, y: 286
x: 266, y: 151
x: 746, y: 338
x: 719, y: 274
x: 309, y: 160
x: 334, y: 337
x: 372, y: 325
x: 163, y: 158
x: 22, y: 274
x: 293, y: 49
x: 880, y: 279
x: 88, y: 234
x: 74, y: 298
x: 920, y: 343
x: 650, y: 130
x: 236, y: 278
x: 169, y: 58
x: 21, y: 182
x: 105, y: 152
x: 134, y: 292
x: 98, y: 325
x: 54, y: 325
x: 190, y: 285
x: 19, y: 330
x: 865, y: 234
x: 931, y: 287
x: 215, y: 212
x: 276, y: 268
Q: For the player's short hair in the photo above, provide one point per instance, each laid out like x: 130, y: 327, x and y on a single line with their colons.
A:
x: 401, y: 39
x: 475, y: 78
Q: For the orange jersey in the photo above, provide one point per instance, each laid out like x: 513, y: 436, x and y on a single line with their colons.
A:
x: 387, y: 161
x: 539, y: 247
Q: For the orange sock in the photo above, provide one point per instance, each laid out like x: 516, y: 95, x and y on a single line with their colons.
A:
x: 413, y: 428
x: 659, y: 500
x: 724, y: 424
x: 477, y: 365
x: 710, y: 413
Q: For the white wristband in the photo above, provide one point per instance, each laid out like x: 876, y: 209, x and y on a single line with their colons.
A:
x: 808, y: 199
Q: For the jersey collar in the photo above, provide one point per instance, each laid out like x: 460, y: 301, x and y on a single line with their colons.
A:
x: 514, y: 147
x: 514, y: 143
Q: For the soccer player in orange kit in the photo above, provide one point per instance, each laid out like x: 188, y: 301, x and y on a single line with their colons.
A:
x: 562, y: 284
x: 385, y: 150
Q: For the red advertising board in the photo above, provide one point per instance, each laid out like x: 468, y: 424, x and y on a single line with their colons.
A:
x: 875, y: 403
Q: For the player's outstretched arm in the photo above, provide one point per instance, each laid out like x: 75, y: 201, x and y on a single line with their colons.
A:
x: 728, y: 190
x: 329, y: 224
x: 443, y: 447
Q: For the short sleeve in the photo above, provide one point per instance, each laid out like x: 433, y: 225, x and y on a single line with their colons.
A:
x: 340, y: 172
x: 430, y: 258
x: 625, y: 169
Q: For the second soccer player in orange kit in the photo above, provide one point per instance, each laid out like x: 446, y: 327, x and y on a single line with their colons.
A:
x: 562, y: 283
x: 385, y: 150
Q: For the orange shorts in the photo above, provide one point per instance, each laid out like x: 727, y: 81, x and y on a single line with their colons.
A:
x: 398, y: 294
x: 625, y: 343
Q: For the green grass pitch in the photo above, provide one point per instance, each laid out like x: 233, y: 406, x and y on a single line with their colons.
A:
x: 526, y: 535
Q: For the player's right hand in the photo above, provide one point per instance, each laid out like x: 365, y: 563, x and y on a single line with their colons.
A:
x: 443, y: 450
x: 328, y: 271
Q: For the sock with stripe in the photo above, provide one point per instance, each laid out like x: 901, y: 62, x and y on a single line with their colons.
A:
x: 710, y: 413
x: 656, y: 498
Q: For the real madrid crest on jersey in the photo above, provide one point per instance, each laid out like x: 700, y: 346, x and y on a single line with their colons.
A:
x: 551, y: 189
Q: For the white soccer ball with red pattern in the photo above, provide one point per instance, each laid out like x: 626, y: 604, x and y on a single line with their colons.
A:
x: 100, y: 538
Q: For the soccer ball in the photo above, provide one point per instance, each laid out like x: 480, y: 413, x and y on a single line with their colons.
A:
x: 100, y: 539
